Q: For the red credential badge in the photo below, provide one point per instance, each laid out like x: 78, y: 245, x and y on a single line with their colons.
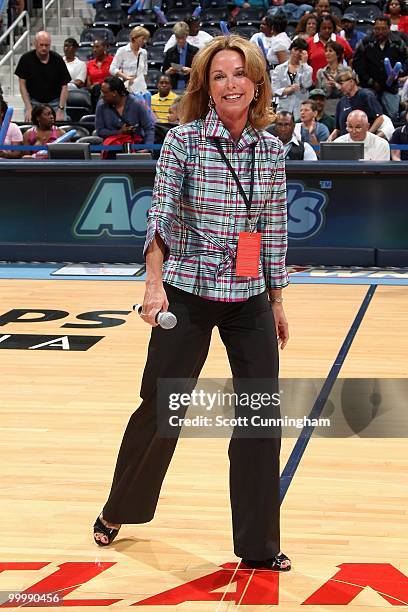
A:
x: 248, y: 254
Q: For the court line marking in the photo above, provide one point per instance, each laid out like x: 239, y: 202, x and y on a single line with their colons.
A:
x: 306, y: 433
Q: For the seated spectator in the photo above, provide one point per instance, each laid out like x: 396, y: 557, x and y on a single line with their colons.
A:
x: 13, y: 135
x: 292, y: 10
x: 400, y: 137
x: 174, y: 111
x: 178, y: 59
x: 249, y: 4
x: 44, y: 130
x: 278, y: 51
x: 43, y: 77
x: 326, y: 28
x: 196, y: 37
x: 319, y: 97
x: 368, y: 62
x: 348, y: 31
x: 404, y: 94
x: 292, y: 79
x: 162, y: 101
x: 375, y: 148
x: 307, y: 27
x: 396, y: 10
x: 120, y: 118
x: 355, y: 98
x: 98, y: 70
x: 130, y: 61
x: 309, y: 130
x: 322, y: 7
x: 75, y: 66
x: 326, y: 77
x: 265, y: 35
x: 293, y: 147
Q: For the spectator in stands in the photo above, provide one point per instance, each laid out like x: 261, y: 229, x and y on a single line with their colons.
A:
x: 75, y: 66
x: 326, y: 77
x: 181, y: 56
x: 400, y: 137
x: 355, y: 98
x: 174, y: 111
x: 43, y: 77
x: 309, y: 129
x: 130, y: 61
x: 163, y: 100
x: 245, y: 4
x: 292, y: 10
x: 322, y: 7
x: 196, y: 37
x: 396, y: 10
x: 326, y: 27
x: 307, y: 27
x: 13, y: 135
x: 98, y: 70
x: 278, y: 51
x: 120, y: 117
x: 369, y: 64
x: 265, y: 35
x: 44, y: 131
x: 292, y: 80
x: 348, y: 31
x: 375, y: 148
x: 319, y: 97
x: 293, y: 147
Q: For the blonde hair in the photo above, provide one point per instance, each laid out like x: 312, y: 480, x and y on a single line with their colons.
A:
x: 138, y: 32
x: 196, y: 99
x: 181, y: 29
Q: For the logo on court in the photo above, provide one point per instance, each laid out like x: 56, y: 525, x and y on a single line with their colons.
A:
x: 112, y: 208
x: 305, y: 210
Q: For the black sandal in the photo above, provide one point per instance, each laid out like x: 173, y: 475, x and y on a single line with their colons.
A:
x: 109, y: 532
x: 278, y: 563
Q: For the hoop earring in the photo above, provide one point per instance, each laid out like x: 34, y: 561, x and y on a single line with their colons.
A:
x: 211, y: 104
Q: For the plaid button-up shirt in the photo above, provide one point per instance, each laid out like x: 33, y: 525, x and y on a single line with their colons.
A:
x: 198, y: 211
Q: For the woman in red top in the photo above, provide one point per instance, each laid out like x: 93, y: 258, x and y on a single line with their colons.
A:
x: 397, y: 12
x: 98, y: 70
x: 326, y: 27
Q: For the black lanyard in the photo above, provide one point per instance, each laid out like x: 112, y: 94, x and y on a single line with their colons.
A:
x: 248, y: 201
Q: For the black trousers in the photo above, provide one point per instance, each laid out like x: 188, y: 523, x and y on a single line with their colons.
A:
x: 247, y: 330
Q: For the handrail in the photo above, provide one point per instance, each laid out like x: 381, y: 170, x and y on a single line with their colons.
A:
x: 45, y: 8
x: 25, y: 36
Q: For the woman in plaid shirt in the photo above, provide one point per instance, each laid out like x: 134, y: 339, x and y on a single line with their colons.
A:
x: 215, y: 255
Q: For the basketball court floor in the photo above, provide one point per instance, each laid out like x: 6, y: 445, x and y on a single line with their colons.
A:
x: 72, y: 359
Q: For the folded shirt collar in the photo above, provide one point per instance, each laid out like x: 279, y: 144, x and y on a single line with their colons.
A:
x: 214, y: 128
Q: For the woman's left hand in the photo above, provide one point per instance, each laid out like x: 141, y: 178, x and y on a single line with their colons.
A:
x: 281, y: 324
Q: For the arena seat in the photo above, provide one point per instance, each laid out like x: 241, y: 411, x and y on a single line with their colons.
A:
x: 78, y: 103
x: 151, y: 79
x: 161, y: 35
x: 365, y: 11
x: 155, y: 53
x: 89, y: 35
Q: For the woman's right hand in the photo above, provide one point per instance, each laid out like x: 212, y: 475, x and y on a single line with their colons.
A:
x: 154, y: 301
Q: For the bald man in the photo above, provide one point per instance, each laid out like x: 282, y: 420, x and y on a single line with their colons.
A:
x: 375, y: 148
x: 43, y: 77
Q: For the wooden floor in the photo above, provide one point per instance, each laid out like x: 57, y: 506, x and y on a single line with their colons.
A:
x: 62, y: 416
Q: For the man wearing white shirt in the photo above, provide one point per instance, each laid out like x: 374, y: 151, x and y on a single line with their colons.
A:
x: 375, y: 148
x: 198, y: 38
x: 75, y: 66
x: 293, y: 148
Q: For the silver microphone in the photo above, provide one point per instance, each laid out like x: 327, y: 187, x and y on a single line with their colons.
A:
x: 166, y: 320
